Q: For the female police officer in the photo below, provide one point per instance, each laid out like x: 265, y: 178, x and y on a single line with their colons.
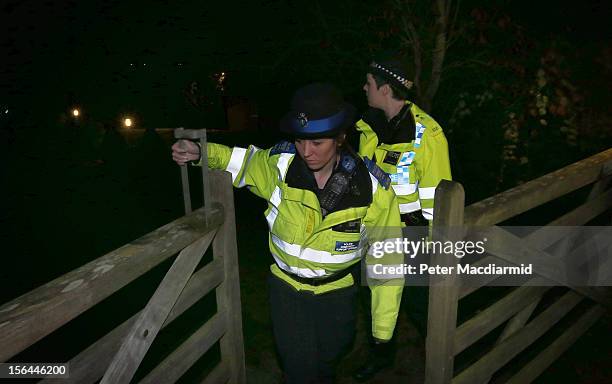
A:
x: 324, y: 206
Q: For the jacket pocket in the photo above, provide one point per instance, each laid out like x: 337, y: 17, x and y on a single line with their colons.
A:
x: 285, y: 229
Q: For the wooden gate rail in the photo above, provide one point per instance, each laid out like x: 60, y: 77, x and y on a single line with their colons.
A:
x: 446, y: 338
x: 89, y: 365
x: 534, y: 193
x: 139, y: 339
x: 66, y: 297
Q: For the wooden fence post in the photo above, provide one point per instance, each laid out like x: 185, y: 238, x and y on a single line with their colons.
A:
x: 228, y: 293
x: 443, y: 289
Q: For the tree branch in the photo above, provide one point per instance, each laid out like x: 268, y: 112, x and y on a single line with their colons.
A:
x: 438, y: 53
x: 452, y: 34
x: 417, y: 50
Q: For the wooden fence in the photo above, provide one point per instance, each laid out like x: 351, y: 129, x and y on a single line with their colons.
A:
x: 446, y: 339
x: 116, y: 356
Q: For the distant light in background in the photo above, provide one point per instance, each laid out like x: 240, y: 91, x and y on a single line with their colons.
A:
x: 220, y: 79
x: 76, y: 112
x: 127, y: 122
x: 6, y: 111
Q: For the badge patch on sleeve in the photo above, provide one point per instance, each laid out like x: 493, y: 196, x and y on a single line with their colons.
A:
x: 380, y: 175
x: 282, y: 147
x: 344, y: 246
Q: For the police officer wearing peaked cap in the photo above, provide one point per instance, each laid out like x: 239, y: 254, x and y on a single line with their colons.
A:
x: 410, y: 146
x: 325, y: 206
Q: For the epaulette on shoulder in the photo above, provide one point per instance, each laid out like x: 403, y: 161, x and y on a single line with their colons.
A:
x: 282, y: 147
x: 383, y: 178
x: 433, y: 128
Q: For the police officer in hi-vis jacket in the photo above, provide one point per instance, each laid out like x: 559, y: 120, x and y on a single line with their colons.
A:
x: 410, y: 146
x: 326, y: 208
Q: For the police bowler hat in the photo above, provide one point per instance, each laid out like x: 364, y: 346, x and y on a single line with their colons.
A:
x: 317, y: 110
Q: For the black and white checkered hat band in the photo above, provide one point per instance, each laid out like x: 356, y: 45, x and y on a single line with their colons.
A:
x: 405, y: 82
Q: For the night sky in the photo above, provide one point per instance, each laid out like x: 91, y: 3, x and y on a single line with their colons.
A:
x: 111, y: 55
x: 114, y: 56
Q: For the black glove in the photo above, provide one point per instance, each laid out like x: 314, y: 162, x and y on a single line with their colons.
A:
x: 415, y: 219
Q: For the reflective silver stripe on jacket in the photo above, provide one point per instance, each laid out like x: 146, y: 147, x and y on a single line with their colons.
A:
x: 410, y: 207
x: 275, y: 199
x: 283, y: 165
x: 404, y: 189
x: 427, y: 193
x: 314, y: 255
x: 301, y: 272
x: 235, y: 163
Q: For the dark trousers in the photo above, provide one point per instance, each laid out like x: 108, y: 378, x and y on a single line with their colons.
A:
x: 312, y: 332
x: 415, y: 298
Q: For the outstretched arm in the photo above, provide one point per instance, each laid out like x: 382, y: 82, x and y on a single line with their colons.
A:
x: 249, y: 167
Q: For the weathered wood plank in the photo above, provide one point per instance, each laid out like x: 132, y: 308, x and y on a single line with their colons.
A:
x: 545, y: 358
x: 478, y: 326
x: 605, y: 180
x: 89, y: 365
x: 228, y: 293
x: 186, y: 191
x: 195, y: 134
x: 442, y: 318
x: 514, y: 250
x: 66, y: 297
x: 201, y: 283
x: 179, y: 361
x: 136, y: 344
x: 536, y: 192
x: 219, y: 375
x: 501, y: 354
x: 539, y: 239
x: 474, y: 282
x: 543, y: 237
x: 516, y: 323
x: 586, y: 212
x: 204, y: 167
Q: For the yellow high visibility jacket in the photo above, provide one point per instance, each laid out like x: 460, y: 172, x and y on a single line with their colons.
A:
x: 306, y: 244
x: 415, y: 167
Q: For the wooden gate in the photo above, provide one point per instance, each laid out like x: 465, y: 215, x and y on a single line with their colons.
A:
x: 446, y: 339
x: 31, y: 317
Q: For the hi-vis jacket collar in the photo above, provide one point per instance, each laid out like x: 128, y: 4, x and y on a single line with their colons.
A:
x: 300, y: 177
x: 400, y: 129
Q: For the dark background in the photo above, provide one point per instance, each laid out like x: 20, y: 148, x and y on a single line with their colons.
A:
x: 525, y: 90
